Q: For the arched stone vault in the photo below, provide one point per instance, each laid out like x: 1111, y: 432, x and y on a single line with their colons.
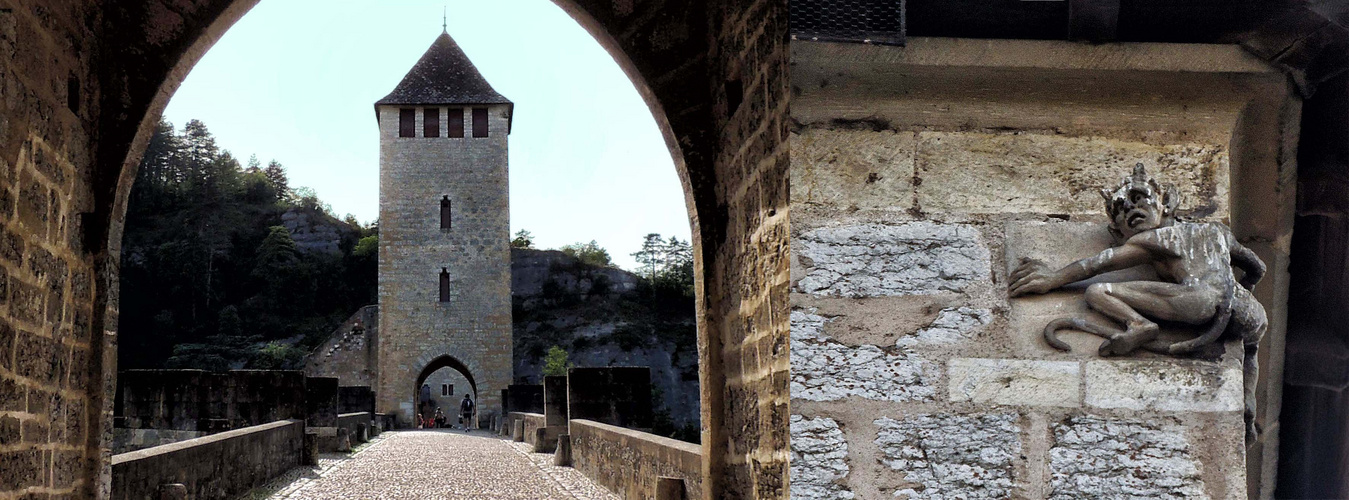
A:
x: 83, y: 82
x: 429, y: 366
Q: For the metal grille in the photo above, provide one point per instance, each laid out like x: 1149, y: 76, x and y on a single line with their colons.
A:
x: 862, y: 21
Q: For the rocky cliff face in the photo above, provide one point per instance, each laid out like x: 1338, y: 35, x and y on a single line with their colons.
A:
x: 316, y: 232
x: 602, y: 317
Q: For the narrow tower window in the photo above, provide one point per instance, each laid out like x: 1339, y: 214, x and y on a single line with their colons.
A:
x: 407, y: 122
x: 479, y: 122
x: 431, y: 122
x: 445, y: 213
x: 444, y: 389
x: 456, y: 126
x: 444, y: 285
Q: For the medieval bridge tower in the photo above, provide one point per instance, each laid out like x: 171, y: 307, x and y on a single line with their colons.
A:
x: 444, y: 254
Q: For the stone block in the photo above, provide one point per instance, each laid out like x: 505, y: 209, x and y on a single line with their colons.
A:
x: 826, y: 370
x: 951, y: 455
x: 952, y: 325
x: 977, y: 172
x: 1014, y: 382
x: 1164, y: 385
x: 562, y: 456
x: 863, y: 169
x: 1096, y: 457
x: 321, y: 401
x: 669, y: 488
x: 869, y: 260
x: 819, y: 453
x: 526, y: 398
x: 615, y: 395
x: 555, y: 400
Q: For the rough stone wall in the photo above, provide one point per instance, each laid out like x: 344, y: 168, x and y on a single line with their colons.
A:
x: 913, y: 374
x: 224, y: 465
x: 349, y: 354
x: 196, y: 400
x: 474, y: 326
x: 449, y: 404
x: 51, y: 359
x: 627, y: 462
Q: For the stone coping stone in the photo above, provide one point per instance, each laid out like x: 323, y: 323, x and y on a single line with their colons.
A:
x: 1164, y: 385
x: 662, y: 441
x: 1015, y: 382
x: 204, y: 440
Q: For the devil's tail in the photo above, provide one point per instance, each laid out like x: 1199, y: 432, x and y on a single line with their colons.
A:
x: 1076, y: 323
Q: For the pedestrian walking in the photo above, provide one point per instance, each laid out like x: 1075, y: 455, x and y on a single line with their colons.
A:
x: 466, y: 408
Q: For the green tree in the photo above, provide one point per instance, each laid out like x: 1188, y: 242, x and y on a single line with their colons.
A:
x: 367, y: 247
x: 555, y: 362
x: 522, y: 240
x: 588, y: 253
x: 651, y: 256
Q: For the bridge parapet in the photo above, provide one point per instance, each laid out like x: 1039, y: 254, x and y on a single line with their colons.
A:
x: 636, y: 464
x: 218, y: 466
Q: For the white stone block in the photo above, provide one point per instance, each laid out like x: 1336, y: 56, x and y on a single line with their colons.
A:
x: 827, y: 370
x: 1015, y: 382
x: 946, y: 456
x: 1164, y: 385
x: 870, y: 260
x: 819, y: 459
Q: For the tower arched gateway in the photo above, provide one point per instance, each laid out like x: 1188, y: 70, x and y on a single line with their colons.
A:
x: 444, y: 265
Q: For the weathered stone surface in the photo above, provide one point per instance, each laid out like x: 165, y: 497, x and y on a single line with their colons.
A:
x: 1048, y: 174
x: 952, y: 325
x: 869, y: 260
x: 223, y: 465
x: 952, y: 456
x: 819, y: 465
x: 865, y: 169
x: 825, y: 370
x: 1096, y: 457
x: 627, y: 462
x: 1166, y: 385
x: 1014, y: 382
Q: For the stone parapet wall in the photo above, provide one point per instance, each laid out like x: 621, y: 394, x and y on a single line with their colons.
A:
x: 914, y: 375
x: 221, y: 466
x: 353, y: 424
x: 628, y: 462
x: 543, y: 442
x: 196, y: 400
x: 126, y: 440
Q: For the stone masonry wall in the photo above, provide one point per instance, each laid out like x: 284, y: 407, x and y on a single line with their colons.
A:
x: 913, y: 374
x: 415, y: 328
x: 349, y: 354
x: 52, y: 350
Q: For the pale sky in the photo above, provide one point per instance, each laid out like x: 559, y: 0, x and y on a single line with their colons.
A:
x: 296, y: 81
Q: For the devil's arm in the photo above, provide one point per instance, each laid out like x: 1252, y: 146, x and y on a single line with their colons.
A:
x: 1249, y: 263
x: 1111, y: 259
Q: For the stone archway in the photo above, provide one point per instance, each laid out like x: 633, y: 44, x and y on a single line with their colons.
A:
x: 433, y: 365
x: 83, y: 82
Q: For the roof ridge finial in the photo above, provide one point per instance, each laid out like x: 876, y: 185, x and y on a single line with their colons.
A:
x: 444, y: 20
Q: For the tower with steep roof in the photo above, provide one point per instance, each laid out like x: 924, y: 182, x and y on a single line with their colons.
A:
x: 444, y: 215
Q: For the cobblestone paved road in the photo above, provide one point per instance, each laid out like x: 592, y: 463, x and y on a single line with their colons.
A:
x: 438, y: 464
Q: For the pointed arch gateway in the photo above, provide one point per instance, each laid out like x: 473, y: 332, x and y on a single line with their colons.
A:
x: 444, y: 361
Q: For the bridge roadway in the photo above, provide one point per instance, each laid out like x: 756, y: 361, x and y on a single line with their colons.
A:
x: 436, y: 464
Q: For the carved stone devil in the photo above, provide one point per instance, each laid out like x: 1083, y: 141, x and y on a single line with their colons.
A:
x: 1195, y: 262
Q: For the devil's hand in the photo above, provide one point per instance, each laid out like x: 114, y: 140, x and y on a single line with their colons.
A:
x: 1031, y: 276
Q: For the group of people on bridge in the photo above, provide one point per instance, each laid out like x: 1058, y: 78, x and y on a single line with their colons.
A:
x: 467, y: 411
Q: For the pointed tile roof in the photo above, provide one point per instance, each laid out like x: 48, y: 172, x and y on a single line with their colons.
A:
x: 443, y: 75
